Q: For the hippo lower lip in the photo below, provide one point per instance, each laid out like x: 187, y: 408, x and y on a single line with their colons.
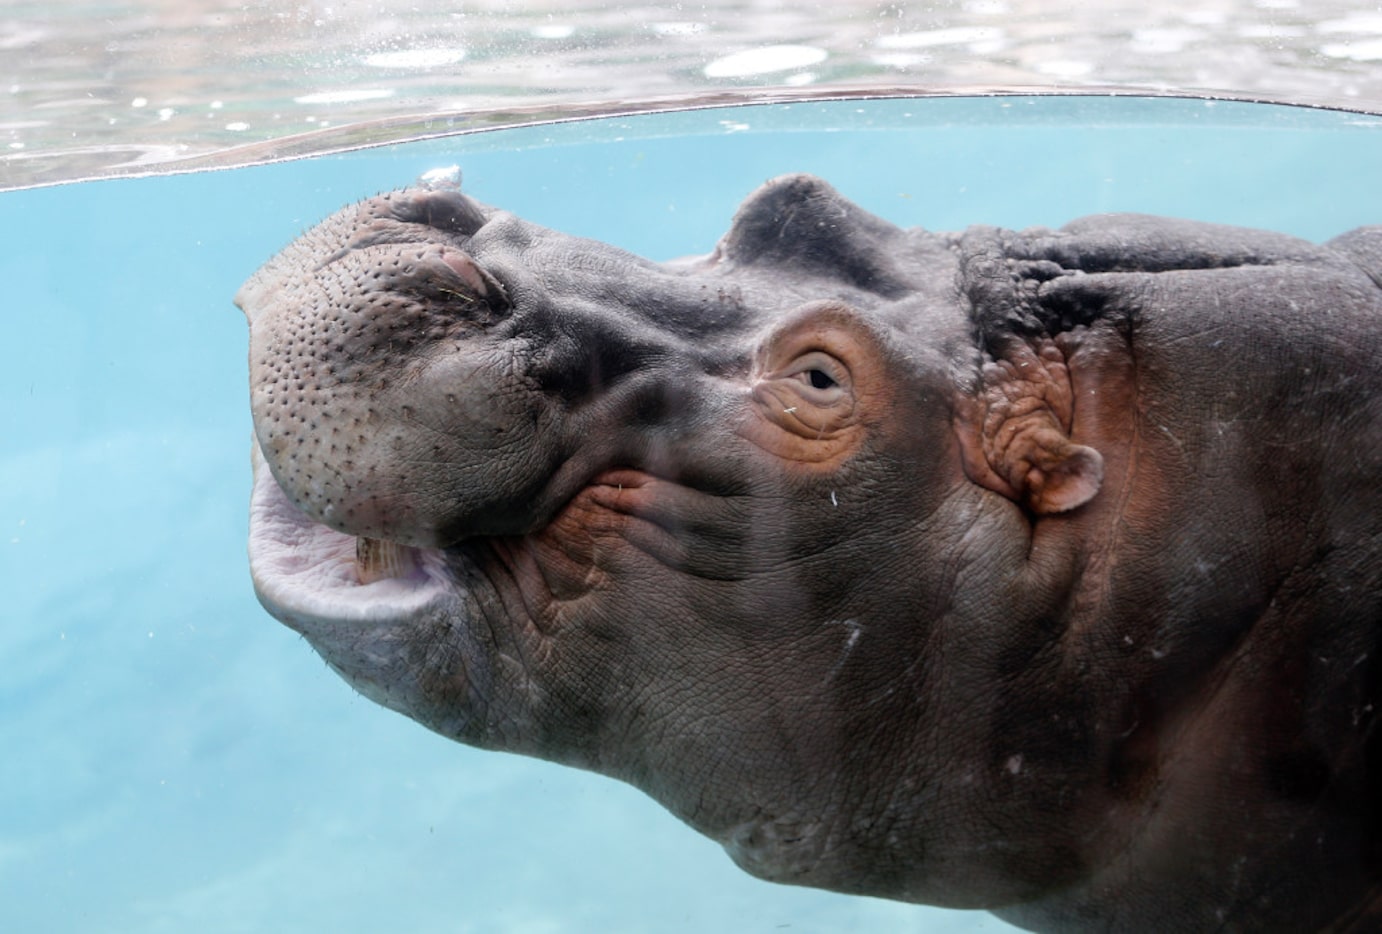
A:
x: 305, y: 569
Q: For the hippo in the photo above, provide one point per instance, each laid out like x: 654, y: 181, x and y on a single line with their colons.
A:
x: 1037, y: 572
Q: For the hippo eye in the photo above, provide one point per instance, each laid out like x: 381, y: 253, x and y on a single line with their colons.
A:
x: 820, y: 375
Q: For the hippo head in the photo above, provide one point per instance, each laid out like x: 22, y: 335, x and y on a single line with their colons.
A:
x: 780, y: 535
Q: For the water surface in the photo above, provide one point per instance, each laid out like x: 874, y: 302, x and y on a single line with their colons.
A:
x: 122, y: 86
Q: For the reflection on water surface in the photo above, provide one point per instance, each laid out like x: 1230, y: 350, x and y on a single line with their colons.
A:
x: 134, y: 85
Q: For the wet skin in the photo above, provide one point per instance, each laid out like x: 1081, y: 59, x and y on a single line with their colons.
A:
x: 1032, y: 571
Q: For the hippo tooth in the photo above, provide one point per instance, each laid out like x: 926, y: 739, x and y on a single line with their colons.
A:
x: 377, y: 559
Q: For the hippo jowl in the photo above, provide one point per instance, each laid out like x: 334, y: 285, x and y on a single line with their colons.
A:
x: 1032, y: 571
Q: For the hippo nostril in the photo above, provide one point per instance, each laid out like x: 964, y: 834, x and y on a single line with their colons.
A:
x: 447, y: 281
x: 484, y: 285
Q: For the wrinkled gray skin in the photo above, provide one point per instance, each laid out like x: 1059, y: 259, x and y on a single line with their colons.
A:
x: 1038, y: 572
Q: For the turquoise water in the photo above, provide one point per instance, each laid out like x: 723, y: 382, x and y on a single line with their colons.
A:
x: 175, y: 760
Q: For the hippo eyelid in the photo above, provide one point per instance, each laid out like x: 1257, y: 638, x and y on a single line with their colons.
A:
x: 823, y: 379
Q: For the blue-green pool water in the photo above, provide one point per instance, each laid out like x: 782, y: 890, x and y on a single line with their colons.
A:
x: 171, y: 759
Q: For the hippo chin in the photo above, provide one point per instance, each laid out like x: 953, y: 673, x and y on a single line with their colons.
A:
x: 1031, y: 571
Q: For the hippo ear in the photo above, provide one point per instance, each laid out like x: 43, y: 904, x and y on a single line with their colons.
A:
x: 802, y: 226
x: 1015, y: 432
x: 1364, y: 247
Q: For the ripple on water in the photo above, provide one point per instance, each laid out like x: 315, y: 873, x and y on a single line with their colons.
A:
x: 415, y: 58
x: 765, y: 60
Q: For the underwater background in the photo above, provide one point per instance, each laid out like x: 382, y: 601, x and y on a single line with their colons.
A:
x: 173, y: 759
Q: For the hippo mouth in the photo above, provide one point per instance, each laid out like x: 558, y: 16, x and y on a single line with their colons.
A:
x: 306, y: 573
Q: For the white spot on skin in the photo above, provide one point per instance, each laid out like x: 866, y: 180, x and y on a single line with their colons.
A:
x: 1014, y: 764
x: 833, y: 500
x: 855, y: 630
